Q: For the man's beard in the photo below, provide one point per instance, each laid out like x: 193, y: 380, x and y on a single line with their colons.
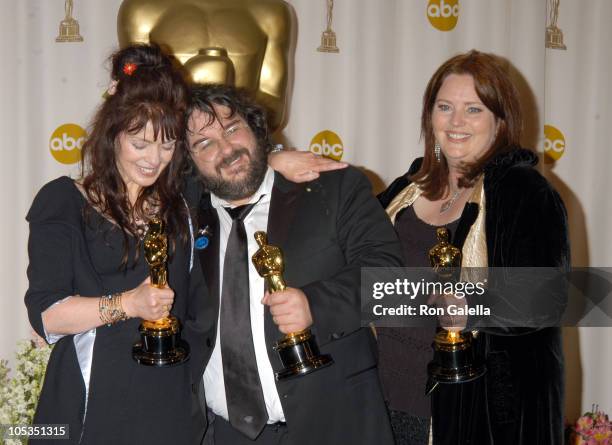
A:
x: 241, y: 188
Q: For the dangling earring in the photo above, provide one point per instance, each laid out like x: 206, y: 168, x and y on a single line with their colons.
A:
x: 437, y: 151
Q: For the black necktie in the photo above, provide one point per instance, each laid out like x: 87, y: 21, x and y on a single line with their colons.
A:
x: 245, y: 401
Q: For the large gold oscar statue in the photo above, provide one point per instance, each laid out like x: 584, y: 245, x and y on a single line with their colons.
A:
x: 247, y: 43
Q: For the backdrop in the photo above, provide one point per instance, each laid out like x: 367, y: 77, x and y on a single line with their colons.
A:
x: 361, y: 104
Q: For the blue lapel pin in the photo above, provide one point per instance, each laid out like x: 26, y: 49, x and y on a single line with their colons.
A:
x: 201, y: 241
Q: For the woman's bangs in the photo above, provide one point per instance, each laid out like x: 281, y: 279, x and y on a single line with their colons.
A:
x: 167, y: 124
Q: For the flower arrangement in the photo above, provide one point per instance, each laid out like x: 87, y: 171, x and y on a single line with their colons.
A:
x: 19, y: 393
x: 593, y: 428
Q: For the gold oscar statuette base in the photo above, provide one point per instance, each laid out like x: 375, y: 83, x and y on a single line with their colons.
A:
x: 554, y: 38
x: 328, y: 43
x: 69, y: 31
x: 454, y: 360
x: 300, y: 355
x: 160, y: 343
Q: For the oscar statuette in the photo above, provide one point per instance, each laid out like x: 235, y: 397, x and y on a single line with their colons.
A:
x: 328, y: 37
x: 298, y: 351
x: 554, y: 35
x: 160, y: 343
x: 69, y: 27
x: 454, y: 360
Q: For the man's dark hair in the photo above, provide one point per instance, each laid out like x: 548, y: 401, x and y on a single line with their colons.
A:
x: 204, y: 96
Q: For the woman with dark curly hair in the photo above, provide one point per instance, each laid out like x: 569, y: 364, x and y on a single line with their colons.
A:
x: 88, y: 286
x: 475, y: 180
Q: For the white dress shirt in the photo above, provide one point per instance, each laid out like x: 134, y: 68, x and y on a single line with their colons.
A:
x: 214, y: 383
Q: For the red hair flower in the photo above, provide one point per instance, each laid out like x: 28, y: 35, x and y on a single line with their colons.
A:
x: 129, y: 68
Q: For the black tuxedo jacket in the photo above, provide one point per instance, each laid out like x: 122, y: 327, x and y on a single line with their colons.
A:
x: 327, y: 229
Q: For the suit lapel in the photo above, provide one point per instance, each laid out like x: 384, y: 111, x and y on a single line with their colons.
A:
x: 468, y: 217
x: 209, y: 256
x: 283, y: 207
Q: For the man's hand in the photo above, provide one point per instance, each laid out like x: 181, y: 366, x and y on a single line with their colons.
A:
x: 290, y: 309
x: 302, y: 166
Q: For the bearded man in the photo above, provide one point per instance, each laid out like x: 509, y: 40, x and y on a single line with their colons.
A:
x: 327, y: 230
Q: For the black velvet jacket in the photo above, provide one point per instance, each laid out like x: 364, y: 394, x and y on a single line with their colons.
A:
x: 520, y: 399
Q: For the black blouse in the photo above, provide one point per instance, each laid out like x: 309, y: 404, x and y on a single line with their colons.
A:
x: 73, y: 255
x: 405, y: 352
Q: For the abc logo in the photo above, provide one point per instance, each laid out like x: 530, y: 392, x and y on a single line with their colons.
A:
x: 66, y: 143
x: 327, y: 143
x: 554, y: 143
x: 443, y: 14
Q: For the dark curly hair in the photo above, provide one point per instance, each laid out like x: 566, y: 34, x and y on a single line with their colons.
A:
x: 155, y: 92
x: 204, y: 96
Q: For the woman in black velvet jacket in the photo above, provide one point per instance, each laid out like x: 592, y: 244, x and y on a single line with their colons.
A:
x: 505, y: 214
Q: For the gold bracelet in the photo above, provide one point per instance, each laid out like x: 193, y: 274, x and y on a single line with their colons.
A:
x: 110, y: 309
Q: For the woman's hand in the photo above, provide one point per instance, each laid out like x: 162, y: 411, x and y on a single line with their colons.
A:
x: 302, y: 166
x: 455, y: 319
x: 148, y: 302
